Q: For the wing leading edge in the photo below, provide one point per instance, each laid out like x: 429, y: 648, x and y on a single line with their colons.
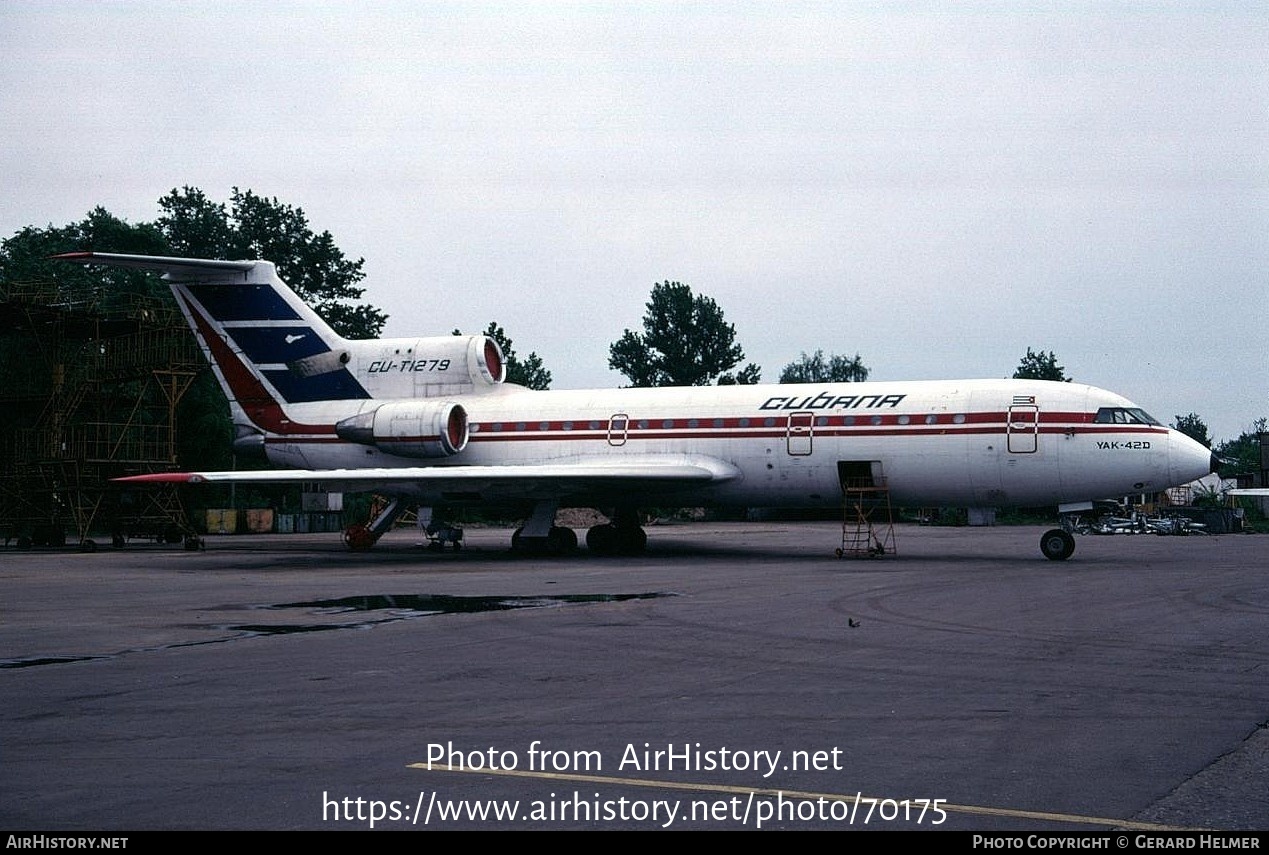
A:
x: 581, y: 477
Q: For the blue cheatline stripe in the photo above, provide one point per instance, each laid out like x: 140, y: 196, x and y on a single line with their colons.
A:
x: 277, y: 345
x: 243, y: 303
x: 333, y: 386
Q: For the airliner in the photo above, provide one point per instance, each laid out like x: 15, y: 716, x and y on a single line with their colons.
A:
x: 430, y: 421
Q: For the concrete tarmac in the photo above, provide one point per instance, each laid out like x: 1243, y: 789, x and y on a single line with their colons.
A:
x: 738, y: 675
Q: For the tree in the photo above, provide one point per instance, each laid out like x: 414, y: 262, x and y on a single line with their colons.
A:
x: 192, y: 225
x: 528, y: 372
x: 256, y: 227
x: 26, y: 257
x: 1039, y: 365
x: 1242, y: 455
x: 1193, y: 427
x: 816, y: 369
x: 750, y: 375
x: 685, y: 342
x: 195, y: 226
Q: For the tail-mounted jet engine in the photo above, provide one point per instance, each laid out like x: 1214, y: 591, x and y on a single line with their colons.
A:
x: 410, y: 428
x: 437, y: 366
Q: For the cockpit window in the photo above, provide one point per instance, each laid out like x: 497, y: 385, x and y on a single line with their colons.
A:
x: 1124, y: 416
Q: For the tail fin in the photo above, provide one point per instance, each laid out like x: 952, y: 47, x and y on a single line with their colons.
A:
x: 267, y: 347
x: 270, y: 351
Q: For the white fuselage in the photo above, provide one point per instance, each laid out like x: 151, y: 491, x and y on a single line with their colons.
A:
x: 991, y: 443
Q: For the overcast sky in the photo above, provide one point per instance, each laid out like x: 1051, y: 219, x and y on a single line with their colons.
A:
x: 937, y: 186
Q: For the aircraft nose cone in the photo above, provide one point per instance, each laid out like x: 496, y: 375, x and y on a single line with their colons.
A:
x: 1189, y: 459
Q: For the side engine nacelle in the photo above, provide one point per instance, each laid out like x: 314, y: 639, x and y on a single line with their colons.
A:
x: 410, y: 428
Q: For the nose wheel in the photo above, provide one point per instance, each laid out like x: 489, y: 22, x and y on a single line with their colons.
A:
x: 1057, y: 545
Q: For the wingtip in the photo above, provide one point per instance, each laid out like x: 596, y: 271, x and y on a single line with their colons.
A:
x: 161, y: 478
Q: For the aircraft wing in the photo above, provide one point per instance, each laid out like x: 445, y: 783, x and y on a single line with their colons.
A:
x: 1250, y: 491
x: 537, y: 480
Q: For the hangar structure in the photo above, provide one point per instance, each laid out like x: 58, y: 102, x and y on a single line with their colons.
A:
x: 90, y: 387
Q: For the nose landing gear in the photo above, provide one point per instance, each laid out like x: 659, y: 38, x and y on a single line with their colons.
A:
x: 1057, y: 545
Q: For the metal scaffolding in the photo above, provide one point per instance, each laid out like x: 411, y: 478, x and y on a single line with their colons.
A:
x: 867, y: 519
x: 90, y: 387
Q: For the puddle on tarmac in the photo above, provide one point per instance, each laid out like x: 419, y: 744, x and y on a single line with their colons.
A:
x: 397, y: 607
x: 407, y: 606
x: 445, y: 604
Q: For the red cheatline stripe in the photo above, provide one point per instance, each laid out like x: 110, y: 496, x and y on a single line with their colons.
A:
x: 915, y: 420
x: 535, y: 434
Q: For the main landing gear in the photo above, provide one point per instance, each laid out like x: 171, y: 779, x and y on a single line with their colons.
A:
x: 1057, y: 545
x: 559, y: 540
x: 622, y: 536
x: 541, y: 536
x: 538, y: 536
